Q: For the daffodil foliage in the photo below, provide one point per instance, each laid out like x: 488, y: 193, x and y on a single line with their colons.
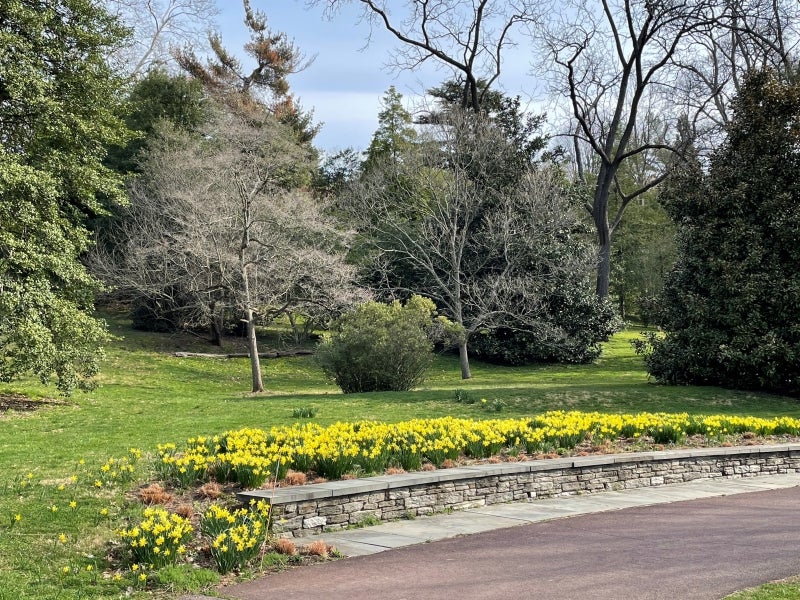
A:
x: 252, y: 456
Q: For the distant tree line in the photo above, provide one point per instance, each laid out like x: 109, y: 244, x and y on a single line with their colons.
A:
x: 143, y: 162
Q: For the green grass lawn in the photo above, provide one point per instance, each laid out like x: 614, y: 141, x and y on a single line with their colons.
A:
x: 146, y: 396
x: 780, y: 590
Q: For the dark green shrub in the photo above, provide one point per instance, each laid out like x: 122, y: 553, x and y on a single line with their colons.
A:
x: 572, y: 325
x: 731, y: 306
x: 382, y: 347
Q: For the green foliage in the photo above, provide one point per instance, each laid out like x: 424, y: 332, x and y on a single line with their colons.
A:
x: 57, y: 115
x: 643, y: 252
x: 572, y: 324
x: 497, y: 241
x: 522, y: 130
x: 336, y: 171
x: 306, y: 412
x: 731, y: 307
x: 159, y: 96
x: 643, y: 241
x: 463, y: 396
x: 383, y: 346
x: 395, y: 134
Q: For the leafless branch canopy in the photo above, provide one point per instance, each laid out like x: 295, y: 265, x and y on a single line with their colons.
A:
x: 622, y: 63
x: 158, y: 27
x: 216, y: 223
x: 466, y: 36
x: 485, y: 249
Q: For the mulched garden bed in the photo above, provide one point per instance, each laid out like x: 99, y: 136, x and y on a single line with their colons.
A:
x: 20, y: 403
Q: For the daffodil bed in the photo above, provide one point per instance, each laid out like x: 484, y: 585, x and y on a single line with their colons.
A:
x: 146, y: 535
x: 251, y: 457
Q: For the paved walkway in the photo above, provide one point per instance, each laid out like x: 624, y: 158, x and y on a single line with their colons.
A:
x: 724, y: 535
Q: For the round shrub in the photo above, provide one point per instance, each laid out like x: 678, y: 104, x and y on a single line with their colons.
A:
x: 570, y: 328
x: 381, y: 347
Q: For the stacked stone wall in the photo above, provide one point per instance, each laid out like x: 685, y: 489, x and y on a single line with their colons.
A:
x: 312, y: 509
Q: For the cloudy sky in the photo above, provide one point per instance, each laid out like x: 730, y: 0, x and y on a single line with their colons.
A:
x: 345, y: 82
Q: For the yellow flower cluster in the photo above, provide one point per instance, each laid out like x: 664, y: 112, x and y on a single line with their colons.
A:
x: 159, y: 539
x: 252, y: 456
x: 236, y: 535
x: 116, y: 471
x: 248, y: 457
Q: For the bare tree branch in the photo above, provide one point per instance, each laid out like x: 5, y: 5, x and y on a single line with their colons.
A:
x: 158, y: 27
x: 216, y: 224
x: 467, y: 36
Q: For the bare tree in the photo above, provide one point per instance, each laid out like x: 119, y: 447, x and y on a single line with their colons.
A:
x: 621, y: 61
x: 615, y: 63
x: 159, y: 26
x: 219, y: 218
x: 468, y: 37
x: 747, y: 35
x: 484, y: 250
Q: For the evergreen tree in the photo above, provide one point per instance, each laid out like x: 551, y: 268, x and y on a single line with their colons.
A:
x: 274, y: 57
x: 731, y: 307
x: 58, y: 114
x: 522, y: 129
x: 158, y: 96
x: 395, y: 134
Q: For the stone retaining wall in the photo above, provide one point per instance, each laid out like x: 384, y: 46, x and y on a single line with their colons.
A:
x: 311, y: 509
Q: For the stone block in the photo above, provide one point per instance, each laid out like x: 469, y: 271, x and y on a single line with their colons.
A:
x: 499, y: 498
x: 449, y: 498
x: 283, y: 525
x: 312, y: 522
x: 363, y: 515
x: 350, y: 507
x: 335, y: 509
x: 571, y: 486
x: 338, y: 519
x: 418, y: 501
x: 307, y: 508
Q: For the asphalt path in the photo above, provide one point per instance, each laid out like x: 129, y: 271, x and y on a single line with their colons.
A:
x: 691, y: 550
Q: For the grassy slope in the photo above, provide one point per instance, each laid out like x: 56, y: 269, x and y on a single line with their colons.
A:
x: 147, y: 396
x: 788, y: 589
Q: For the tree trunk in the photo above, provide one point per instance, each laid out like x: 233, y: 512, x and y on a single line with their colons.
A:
x: 216, y: 325
x: 216, y: 333
x: 252, y: 340
x: 463, y: 359
x: 600, y: 216
x: 604, y: 268
x: 295, y: 331
x: 252, y: 347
